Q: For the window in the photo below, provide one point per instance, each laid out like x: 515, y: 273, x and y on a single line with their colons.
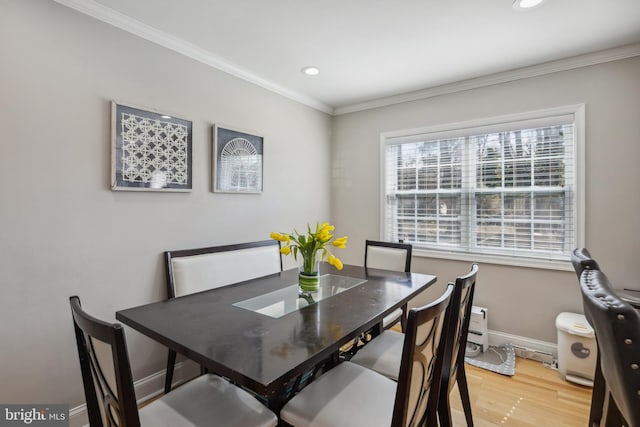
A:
x: 505, y: 188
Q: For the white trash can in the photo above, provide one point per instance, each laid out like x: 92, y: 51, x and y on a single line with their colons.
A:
x: 577, y: 349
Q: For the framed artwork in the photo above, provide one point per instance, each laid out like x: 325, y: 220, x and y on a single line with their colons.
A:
x: 150, y: 151
x: 237, y: 161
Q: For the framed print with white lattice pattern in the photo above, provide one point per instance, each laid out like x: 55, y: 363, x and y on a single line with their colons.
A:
x: 237, y: 161
x: 150, y: 151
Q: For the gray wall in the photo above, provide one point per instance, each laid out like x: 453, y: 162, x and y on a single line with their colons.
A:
x: 64, y: 232
x: 521, y: 301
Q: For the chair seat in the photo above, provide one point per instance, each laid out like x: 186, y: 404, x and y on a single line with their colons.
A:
x: 207, y: 400
x: 383, y: 354
x: 345, y: 394
x: 392, y: 318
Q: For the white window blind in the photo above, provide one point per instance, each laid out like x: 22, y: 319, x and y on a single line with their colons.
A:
x: 501, y: 188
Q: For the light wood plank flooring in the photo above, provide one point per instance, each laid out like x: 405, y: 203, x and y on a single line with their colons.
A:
x: 535, y: 396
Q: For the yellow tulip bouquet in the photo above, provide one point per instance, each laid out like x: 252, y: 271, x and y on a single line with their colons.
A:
x: 311, y: 245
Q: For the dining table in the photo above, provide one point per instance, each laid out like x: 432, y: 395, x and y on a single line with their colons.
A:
x: 265, y: 334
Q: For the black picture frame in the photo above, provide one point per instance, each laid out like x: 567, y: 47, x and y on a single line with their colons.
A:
x: 237, y: 161
x: 150, y: 151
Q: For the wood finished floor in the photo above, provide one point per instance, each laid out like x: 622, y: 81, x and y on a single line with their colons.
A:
x: 534, y: 397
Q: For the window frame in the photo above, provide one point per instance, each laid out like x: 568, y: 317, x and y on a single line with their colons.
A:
x: 499, y: 123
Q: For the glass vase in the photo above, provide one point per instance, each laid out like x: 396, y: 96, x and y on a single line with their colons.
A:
x: 309, y: 272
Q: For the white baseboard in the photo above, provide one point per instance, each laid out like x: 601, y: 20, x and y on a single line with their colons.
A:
x: 146, y: 388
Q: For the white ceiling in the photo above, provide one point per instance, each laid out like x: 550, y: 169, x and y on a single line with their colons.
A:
x: 371, y: 49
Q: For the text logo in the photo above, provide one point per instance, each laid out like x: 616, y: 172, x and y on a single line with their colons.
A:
x: 34, y: 415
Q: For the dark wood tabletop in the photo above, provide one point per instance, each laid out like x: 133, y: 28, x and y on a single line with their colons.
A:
x: 264, y: 353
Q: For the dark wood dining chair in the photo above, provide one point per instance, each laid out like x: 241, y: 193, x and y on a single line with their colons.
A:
x: 383, y: 353
x: 195, y: 270
x: 111, y: 401
x: 348, y: 389
x: 389, y: 256
x: 617, y: 327
x: 453, y: 371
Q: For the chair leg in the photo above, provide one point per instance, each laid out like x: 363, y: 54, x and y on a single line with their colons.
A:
x: 611, y: 414
x: 444, y: 404
x: 444, y: 409
x: 403, y: 319
x: 431, y: 418
x: 171, y: 361
x: 463, y: 388
x: 597, y: 396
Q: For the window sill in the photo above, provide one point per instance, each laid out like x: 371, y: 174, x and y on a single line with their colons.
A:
x: 545, y: 264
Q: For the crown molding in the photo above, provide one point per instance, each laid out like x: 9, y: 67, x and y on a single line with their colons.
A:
x: 566, y: 64
x: 133, y: 26
x: 154, y: 35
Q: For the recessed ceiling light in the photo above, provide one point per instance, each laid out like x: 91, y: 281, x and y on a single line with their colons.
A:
x: 310, y: 71
x: 526, y: 4
x: 165, y: 116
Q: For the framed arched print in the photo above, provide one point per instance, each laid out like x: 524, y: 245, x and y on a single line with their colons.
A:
x: 237, y: 161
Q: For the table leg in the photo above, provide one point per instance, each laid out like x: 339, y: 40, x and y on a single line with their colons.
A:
x: 276, y: 401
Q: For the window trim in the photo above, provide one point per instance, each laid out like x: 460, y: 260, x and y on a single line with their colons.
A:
x: 449, y: 129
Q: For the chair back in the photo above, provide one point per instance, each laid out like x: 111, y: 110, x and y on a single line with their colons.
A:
x: 104, y: 406
x: 387, y: 255
x: 617, y: 328
x: 458, y: 326
x: 582, y: 260
x: 416, y: 400
x: 196, y: 270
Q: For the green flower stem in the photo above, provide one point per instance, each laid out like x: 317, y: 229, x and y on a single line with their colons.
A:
x: 309, y: 261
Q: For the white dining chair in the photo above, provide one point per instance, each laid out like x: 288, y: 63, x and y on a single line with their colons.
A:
x: 389, y: 256
x: 350, y: 391
x: 195, y: 270
x: 384, y: 353
x: 111, y: 401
